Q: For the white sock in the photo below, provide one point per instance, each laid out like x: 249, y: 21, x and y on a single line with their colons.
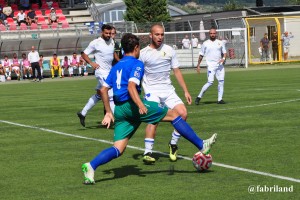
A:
x: 175, y: 137
x: 90, y: 104
x: 220, y: 90
x: 149, y: 142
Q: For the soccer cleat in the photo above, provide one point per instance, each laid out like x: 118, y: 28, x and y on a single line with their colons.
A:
x: 221, y: 102
x: 197, y: 100
x: 148, y: 159
x: 88, y: 172
x: 81, y: 118
x: 208, y: 143
x: 173, y: 151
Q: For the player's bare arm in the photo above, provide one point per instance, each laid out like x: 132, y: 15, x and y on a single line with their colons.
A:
x: 108, y: 118
x: 136, y: 98
x: 88, y: 60
x: 199, y: 61
x: 181, y: 82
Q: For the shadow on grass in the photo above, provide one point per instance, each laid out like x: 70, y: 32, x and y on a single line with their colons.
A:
x: 139, y: 156
x: 129, y: 170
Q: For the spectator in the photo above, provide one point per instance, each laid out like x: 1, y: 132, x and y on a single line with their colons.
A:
x: 41, y: 65
x: 7, y: 67
x: 31, y: 17
x: 74, y: 62
x: 186, y: 42
x: 26, y: 66
x: 2, y: 17
x: 15, y: 64
x: 265, y: 45
x: 8, y: 12
x: 274, y: 41
x: 65, y: 66
x: 286, y: 44
x: 81, y: 66
x: 52, y: 16
x: 21, y: 17
x: 55, y: 66
x: 34, y: 57
x: 195, y: 42
x: 24, y: 4
x: 2, y: 72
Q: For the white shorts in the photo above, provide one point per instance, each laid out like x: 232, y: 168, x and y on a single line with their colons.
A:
x: 286, y: 49
x: 27, y: 67
x: 6, y: 69
x: 15, y: 68
x: 166, y: 98
x: 101, y: 75
x: 217, y: 71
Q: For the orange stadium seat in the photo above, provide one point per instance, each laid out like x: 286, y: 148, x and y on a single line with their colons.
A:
x: 10, y: 20
x: 2, y: 27
x: 35, y: 6
x: 33, y: 26
x: 12, y: 27
x: 54, y: 25
x: 65, y: 24
x: 44, y: 26
x: 23, y: 26
x: 38, y: 13
x: 41, y: 19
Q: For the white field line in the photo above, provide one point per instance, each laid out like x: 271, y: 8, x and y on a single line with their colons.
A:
x: 158, y: 152
x: 250, y: 106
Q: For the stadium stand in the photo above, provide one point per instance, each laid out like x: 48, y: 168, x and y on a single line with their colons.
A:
x: 12, y: 27
x: 33, y: 26
x: 23, y: 26
x: 2, y: 27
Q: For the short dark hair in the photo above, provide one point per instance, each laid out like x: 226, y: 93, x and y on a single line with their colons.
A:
x: 106, y: 26
x: 54, y: 54
x: 129, y: 42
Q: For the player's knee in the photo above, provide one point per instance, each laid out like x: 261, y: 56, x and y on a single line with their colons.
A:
x: 221, y: 82
x: 210, y: 83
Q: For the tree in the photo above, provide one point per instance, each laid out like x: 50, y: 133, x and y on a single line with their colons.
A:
x: 231, y: 5
x: 294, y: 2
x: 141, y: 11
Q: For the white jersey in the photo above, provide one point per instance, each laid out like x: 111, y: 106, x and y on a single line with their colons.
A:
x: 158, y: 64
x: 213, y: 51
x: 103, y: 51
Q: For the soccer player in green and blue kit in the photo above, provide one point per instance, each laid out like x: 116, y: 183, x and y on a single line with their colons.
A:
x: 130, y: 110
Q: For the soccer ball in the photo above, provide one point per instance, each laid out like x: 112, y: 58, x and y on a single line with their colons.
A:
x: 8, y: 78
x: 201, y: 161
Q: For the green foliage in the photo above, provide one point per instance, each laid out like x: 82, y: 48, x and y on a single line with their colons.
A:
x: 294, y: 2
x: 232, y: 5
x: 141, y: 11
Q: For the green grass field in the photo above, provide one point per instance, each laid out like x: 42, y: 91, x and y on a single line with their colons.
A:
x: 258, y: 129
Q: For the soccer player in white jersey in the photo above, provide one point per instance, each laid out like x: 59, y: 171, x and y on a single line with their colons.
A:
x: 103, y: 49
x: 215, y: 53
x: 159, y: 59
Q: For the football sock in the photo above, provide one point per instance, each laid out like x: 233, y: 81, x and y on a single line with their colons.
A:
x: 220, y: 90
x: 105, y: 156
x: 175, y: 137
x: 90, y: 104
x: 187, y: 132
x: 149, y: 142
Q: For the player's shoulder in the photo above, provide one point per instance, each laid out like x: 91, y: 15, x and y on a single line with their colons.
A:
x: 167, y: 47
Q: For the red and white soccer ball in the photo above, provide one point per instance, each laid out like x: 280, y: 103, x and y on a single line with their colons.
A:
x: 201, y: 161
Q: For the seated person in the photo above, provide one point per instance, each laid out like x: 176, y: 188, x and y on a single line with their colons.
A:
x: 21, y: 17
x: 41, y: 64
x: 7, y: 66
x: 65, y: 66
x: 2, y: 72
x: 24, y: 4
x: 52, y: 16
x: 82, y: 66
x: 55, y: 66
x: 74, y: 63
x: 31, y: 17
x: 26, y: 66
x: 15, y: 64
x: 8, y: 12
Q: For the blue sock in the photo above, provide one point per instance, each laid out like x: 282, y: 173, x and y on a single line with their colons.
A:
x: 187, y: 132
x: 105, y: 156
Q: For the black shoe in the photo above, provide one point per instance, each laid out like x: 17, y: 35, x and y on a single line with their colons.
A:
x: 82, y: 119
x: 221, y: 102
x: 197, y: 100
